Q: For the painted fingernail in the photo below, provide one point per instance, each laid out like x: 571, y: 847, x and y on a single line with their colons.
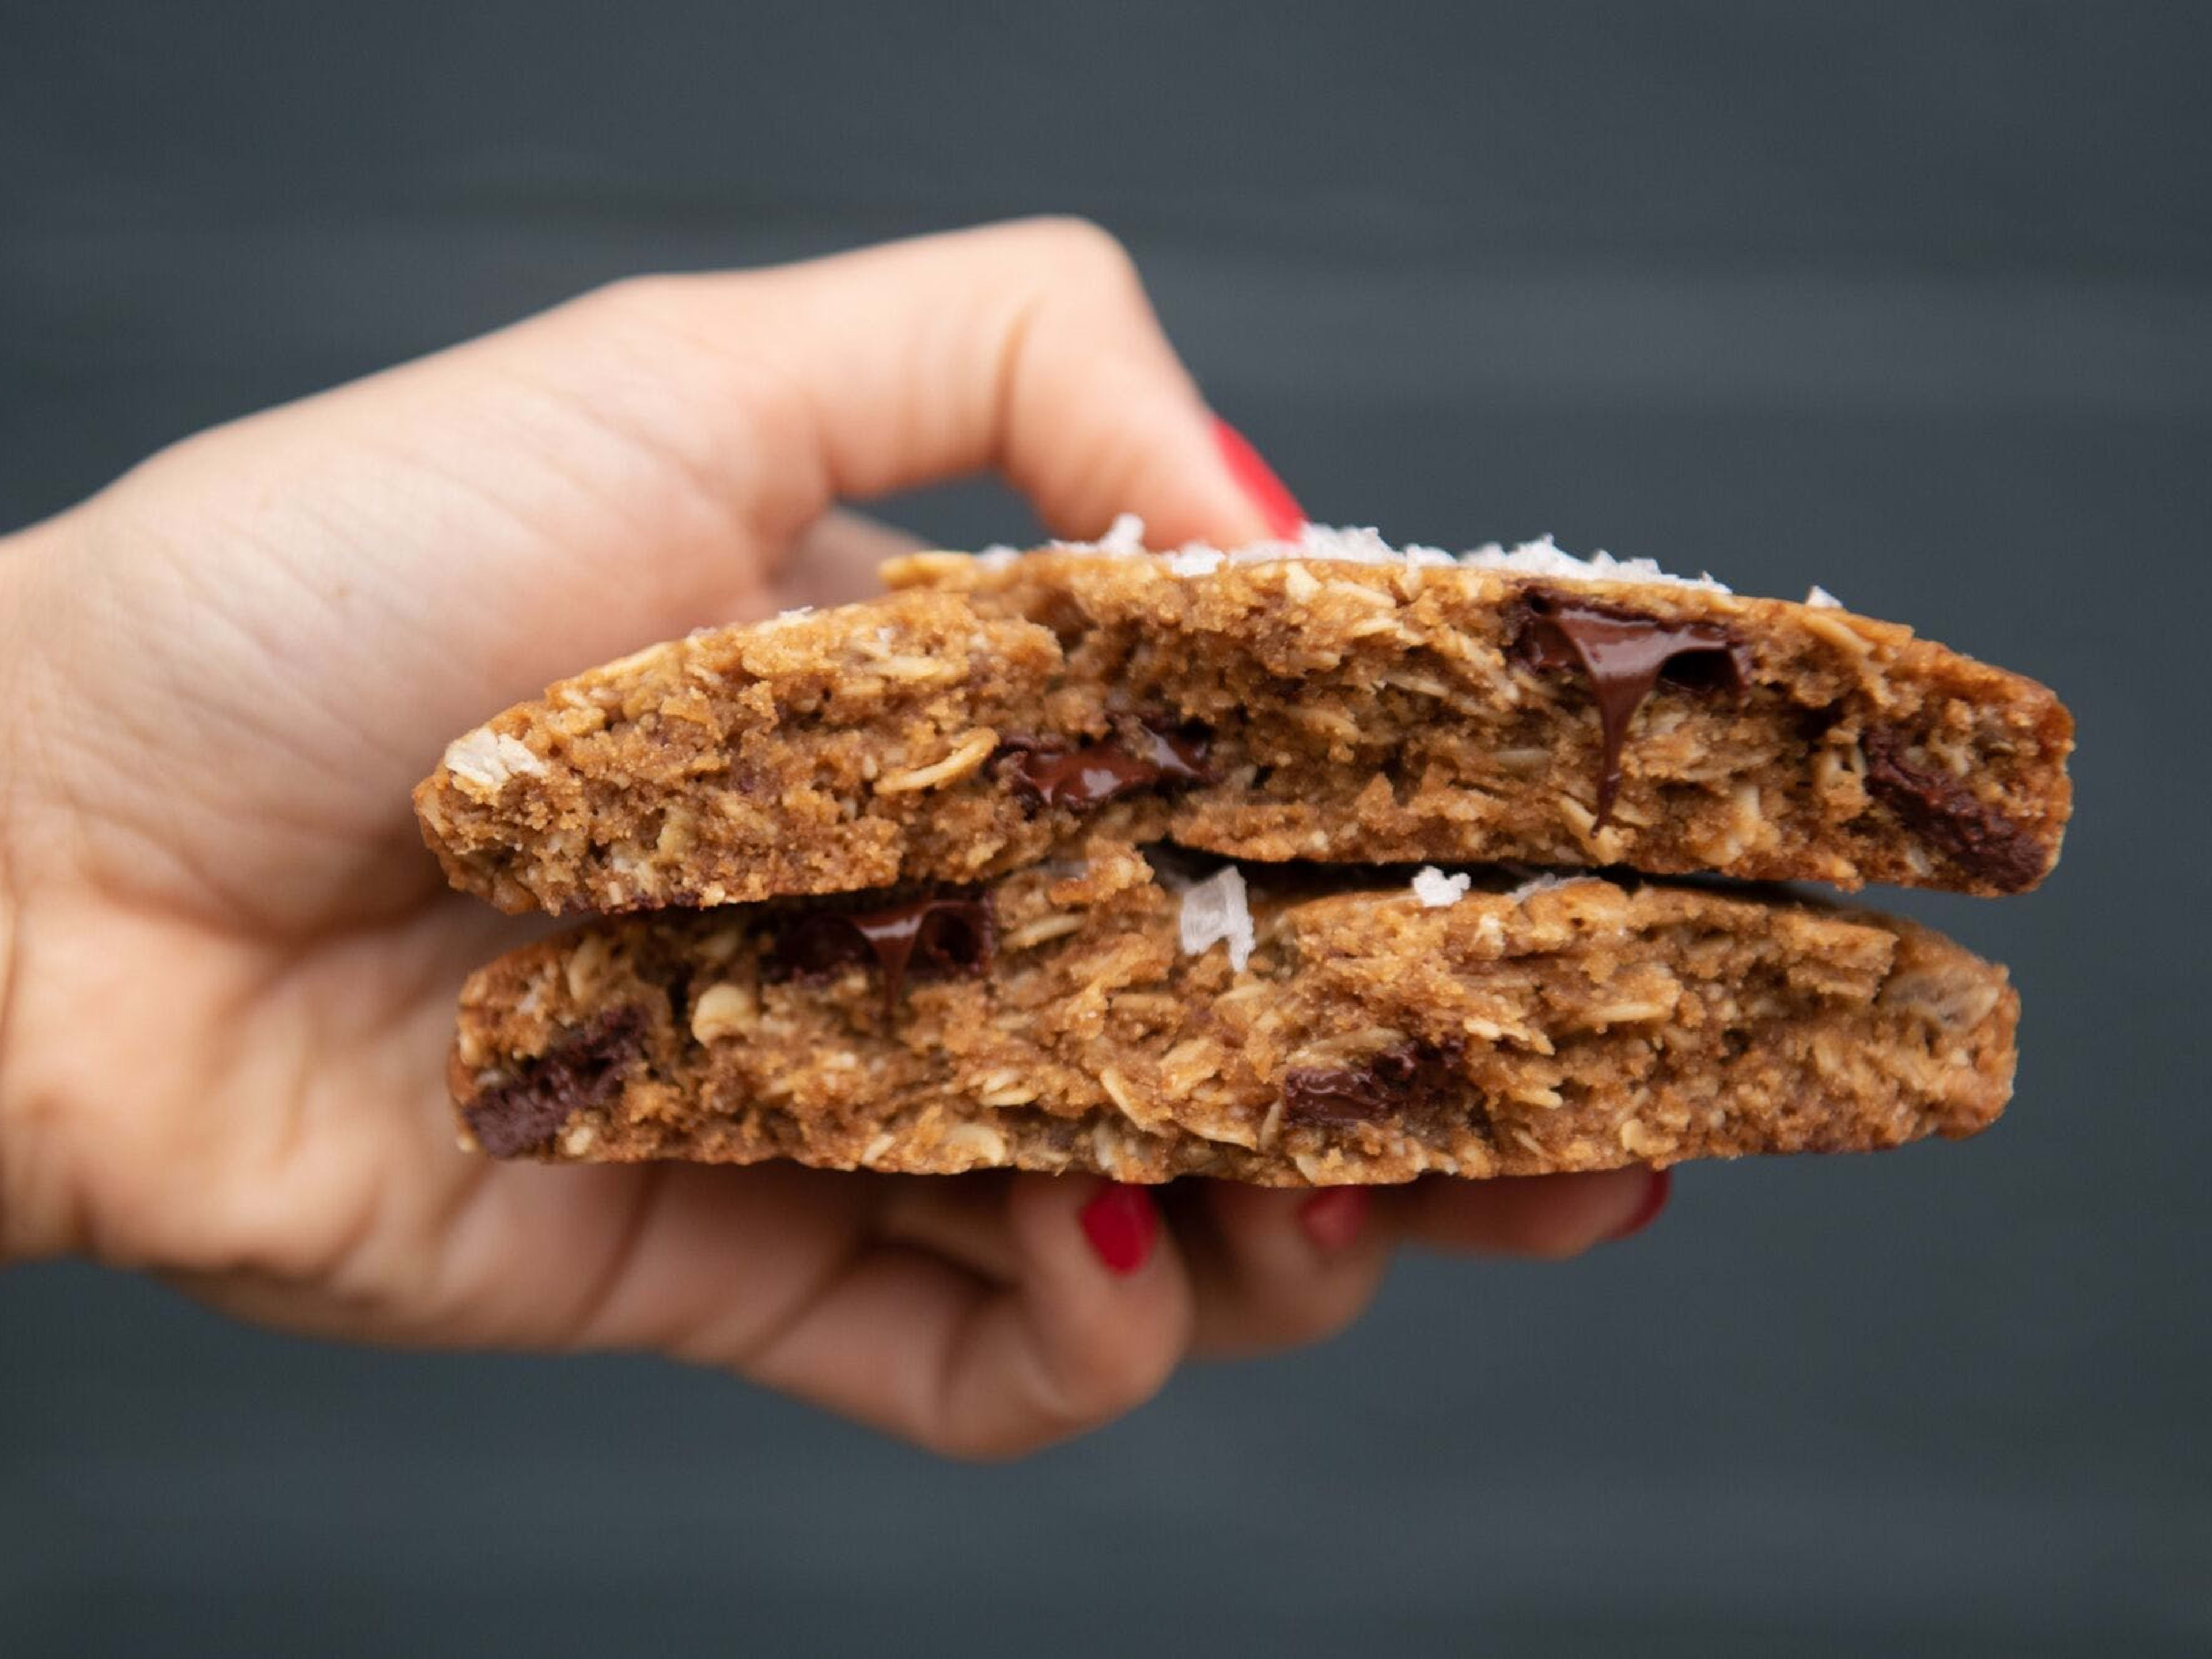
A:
x: 1333, y: 1219
x: 1121, y: 1225
x: 1269, y: 494
x: 1655, y: 1200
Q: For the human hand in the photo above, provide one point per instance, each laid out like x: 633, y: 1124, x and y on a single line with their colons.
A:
x: 228, y: 966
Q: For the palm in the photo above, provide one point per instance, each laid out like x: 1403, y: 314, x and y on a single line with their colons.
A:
x: 266, y: 901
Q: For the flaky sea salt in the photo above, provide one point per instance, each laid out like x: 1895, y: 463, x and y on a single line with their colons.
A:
x: 1214, y: 911
x: 1438, y: 892
x: 1546, y: 557
x: 1821, y: 599
x: 1194, y: 561
x: 1124, y: 537
x: 1364, y: 544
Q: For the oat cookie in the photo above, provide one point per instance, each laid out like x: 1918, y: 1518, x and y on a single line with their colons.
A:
x: 1319, y: 703
x: 1117, y: 1012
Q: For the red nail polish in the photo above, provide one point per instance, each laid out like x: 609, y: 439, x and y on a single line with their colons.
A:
x: 1333, y: 1219
x: 1655, y: 1200
x: 1121, y: 1225
x: 1269, y: 494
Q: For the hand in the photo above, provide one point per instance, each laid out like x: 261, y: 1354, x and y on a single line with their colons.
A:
x: 228, y: 966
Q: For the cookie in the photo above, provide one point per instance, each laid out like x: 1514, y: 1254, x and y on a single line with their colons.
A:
x: 1284, y: 1026
x: 1318, y: 702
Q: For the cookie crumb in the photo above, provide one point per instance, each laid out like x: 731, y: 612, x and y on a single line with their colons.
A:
x: 1543, y: 884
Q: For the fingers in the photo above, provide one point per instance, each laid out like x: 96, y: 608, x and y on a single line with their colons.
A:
x: 1095, y: 1320
x: 1275, y: 1268
x: 442, y: 538
x: 1070, y: 1304
x: 963, y: 1217
x: 1549, y: 1216
x: 1028, y: 347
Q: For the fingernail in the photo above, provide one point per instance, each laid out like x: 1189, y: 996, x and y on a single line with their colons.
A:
x: 1655, y: 1200
x: 1333, y: 1218
x: 1284, y: 517
x: 1121, y: 1225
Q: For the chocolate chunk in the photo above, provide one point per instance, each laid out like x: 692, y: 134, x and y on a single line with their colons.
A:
x: 929, y: 936
x: 1404, y: 1079
x: 1626, y: 654
x: 582, y: 1071
x: 1982, y: 840
x: 1048, y: 774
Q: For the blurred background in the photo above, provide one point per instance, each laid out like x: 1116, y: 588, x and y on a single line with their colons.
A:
x: 1910, y: 300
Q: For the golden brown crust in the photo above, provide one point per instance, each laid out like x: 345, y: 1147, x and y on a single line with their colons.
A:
x: 1368, y: 1038
x: 1351, y: 711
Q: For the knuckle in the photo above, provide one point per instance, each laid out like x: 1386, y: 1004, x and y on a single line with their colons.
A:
x: 995, y: 1443
x: 1069, y: 1407
x: 638, y: 290
x: 1083, y: 247
x: 1106, y: 1375
x: 647, y: 298
x: 1114, y: 1383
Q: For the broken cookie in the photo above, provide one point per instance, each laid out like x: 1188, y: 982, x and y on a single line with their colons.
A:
x: 911, y: 882
x: 1327, y: 701
x: 1279, y: 1025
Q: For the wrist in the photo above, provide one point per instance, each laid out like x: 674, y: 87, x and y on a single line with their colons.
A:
x: 24, y: 1213
x: 11, y: 1205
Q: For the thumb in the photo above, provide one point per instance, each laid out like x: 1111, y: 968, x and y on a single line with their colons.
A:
x: 1028, y: 347
x: 442, y: 539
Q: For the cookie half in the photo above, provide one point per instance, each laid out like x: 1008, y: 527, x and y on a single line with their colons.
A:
x: 1288, y: 707
x: 1268, y: 1025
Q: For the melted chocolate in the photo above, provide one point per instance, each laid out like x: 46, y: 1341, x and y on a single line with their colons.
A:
x: 927, y: 936
x: 1625, y: 655
x: 583, y: 1070
x: 1408, y: 1077
x: 1983, y: 841
x: 1048, y: 774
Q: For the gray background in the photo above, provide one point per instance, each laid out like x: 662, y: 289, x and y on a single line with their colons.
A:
x: 1910, y: 300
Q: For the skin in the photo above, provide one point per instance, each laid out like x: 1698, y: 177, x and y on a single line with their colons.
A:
x: 228, y: 965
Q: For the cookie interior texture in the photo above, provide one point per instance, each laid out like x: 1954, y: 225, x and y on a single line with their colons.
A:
x: 989, y: 714
x: 1053, y: 1019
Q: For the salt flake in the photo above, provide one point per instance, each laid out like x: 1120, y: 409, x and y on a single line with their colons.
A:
x: 1124, y: 535
x: 1195, y: 561
x: 1214, y: 911
x: 1364, y: 544
x: 1438, y: 892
